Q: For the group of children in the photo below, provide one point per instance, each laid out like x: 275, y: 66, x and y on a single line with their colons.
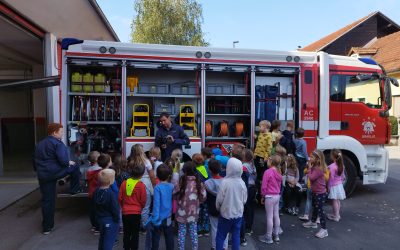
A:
x: 212, y: 194
x: 282, y: 161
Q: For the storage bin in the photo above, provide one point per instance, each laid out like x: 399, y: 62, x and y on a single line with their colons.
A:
x: 99, y: 78
x: 183, y: 89
x: 76, y: 77
x: 153, y: 88
x: 99, y: 88
x: 88, y: 88
x: 240, y: 89
x: 88, y: 78
x: 167, y: 108
x: 220, y: 89
x: 76, y: 88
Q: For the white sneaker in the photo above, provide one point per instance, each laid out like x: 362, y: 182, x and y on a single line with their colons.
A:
x: 275, y: 237
x: 318, y: 221
x: 310, y: 224
x: 332, y: 217
x: 265, y: 239
x: 322, y: 233
x: 304, y: 217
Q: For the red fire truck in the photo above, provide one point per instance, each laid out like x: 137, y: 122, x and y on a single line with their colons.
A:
x: 113, y: 94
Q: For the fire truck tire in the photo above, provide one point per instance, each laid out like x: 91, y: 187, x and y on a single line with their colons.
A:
x: 351, y: 175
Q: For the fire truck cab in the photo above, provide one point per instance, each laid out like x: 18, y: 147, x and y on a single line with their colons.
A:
x: 113, y: 94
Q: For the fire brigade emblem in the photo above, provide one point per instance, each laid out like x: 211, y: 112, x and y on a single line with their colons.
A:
x: 369, y: 126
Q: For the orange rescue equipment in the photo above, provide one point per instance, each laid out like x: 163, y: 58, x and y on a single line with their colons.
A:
x: 208, y: 128
x: 223, y: 128
x: 239, y: 126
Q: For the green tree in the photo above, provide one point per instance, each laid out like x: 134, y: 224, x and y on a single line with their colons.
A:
x: 176, y: 22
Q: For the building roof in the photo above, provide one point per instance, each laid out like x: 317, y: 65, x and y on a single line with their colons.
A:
x: 82, y: 19
x: 362, y: 51
x: 327, y: 40
x: 388, y: 51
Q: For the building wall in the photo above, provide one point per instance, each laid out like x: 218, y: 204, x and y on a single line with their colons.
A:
x: 395, y: 111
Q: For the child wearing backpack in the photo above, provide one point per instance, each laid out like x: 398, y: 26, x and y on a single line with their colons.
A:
x: 248, y: 163
x: 203, y: 223
x: 212, y: 186
x: 286, y: 140
x: 107, y: 209
x: 190, y: 193
x: 301, y: 152
x: 132, y: 199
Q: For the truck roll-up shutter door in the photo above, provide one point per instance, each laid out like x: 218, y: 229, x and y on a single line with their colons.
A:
x: 33, y: 83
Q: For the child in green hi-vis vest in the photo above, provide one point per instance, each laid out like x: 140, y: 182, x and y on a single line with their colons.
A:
x: 132, y: 198
x: 203, y: 223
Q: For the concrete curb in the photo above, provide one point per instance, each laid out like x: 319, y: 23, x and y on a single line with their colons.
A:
x: 17, y: 199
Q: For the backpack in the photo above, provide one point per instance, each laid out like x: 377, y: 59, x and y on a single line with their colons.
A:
x: 287, y: 142
x: 212, y: 209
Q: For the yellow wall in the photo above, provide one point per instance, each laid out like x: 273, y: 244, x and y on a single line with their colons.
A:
x: 395, y: 111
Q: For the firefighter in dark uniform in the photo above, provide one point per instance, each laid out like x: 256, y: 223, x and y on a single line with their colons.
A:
x: 170, y: 136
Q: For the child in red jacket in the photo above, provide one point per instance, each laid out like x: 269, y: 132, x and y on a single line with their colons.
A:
x: 132, y: 198
x: 92, y: 179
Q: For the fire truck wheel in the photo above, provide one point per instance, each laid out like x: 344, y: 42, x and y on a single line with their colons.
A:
x: 351, y: 175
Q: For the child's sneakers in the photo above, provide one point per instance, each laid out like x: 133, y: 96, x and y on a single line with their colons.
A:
x: 310, y: 224
x: 304, y: 217
x: 243, y: 242
x: 295, y: 211
x: 332, y: 217
x: 322, y: 233
x: 265, y: 239
x: 275, y: 237
x: 249, y: 232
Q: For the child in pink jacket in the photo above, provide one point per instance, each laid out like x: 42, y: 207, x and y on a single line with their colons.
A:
x: 270, y: 190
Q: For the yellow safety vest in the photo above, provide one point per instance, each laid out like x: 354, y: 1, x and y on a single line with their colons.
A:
x: 130, y: 185
x: 203, y: 171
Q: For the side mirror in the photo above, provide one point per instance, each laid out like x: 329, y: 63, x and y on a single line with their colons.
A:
x: 388, y: 93
x: 394, y: 81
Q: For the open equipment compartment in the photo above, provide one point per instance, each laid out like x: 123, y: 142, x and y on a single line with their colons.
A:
x: 276, y: 90
x: 228, y: 110
x: 93, y: 107
x: 161, y: 87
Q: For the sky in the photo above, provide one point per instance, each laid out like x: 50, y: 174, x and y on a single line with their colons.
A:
x: 264, y: 24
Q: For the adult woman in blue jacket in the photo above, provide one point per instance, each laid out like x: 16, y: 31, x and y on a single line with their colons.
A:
x: 51, y: 162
